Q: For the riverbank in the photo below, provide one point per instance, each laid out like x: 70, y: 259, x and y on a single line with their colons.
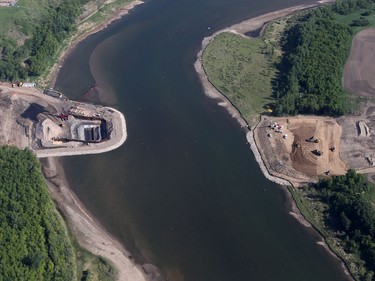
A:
x: 84, y: 30
x: 89, y: 233
x: 210, y: 90
x: 242, y: 29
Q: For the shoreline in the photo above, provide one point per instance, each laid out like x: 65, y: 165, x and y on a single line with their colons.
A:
x: 241, y: 29
x: 210, y: 90
x: 88, y: 231
x: 77, y: 38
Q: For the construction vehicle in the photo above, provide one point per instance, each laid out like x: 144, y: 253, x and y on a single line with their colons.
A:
x: 312, y: 139
x: 317, y: 152
x: 297, y: 145
x: 268, y: 109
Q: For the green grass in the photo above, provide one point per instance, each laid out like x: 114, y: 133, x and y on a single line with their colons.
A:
x: 240, y: 69
x: 349, y: 18
x: 17, y: 22
x: 107, y: 10
x: 243, y: 68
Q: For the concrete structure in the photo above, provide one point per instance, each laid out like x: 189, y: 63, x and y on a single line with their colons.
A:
x: 52, y: 126
x: 28, y: 85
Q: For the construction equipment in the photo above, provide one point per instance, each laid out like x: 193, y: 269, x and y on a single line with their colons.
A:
x: 313, y: 139
x: 268, y: 109
x: 297, y: 145
x: 317, y: 152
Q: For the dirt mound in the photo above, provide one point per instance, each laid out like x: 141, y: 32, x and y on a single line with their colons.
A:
x: 307, y: 147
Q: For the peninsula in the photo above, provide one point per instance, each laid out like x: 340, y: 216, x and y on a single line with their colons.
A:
x: 51, y: 125
x: 263, y: 87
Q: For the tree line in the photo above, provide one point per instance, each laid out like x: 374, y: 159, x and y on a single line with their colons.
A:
x: 316, y: 47
x: 37, y: 54
x: 34, y: 244
x: 351, y: 215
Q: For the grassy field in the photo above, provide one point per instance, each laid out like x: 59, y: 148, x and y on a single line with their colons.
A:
x: 17, y: 22
x: 106, y: 10
x: 237, y: 67
x: 361, y: 13
x: 243, y: 68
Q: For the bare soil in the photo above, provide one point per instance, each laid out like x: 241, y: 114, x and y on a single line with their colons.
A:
x: 357, y: 148
x: 289, y: 155
x: 359, y: 70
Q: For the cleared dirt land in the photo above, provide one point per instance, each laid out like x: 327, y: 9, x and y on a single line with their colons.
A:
x: 359, y: 70
x: 358, y: 140
x: 300, y: 161
x: 302, y: 150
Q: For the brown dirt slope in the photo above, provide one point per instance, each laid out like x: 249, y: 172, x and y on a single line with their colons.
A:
x: 290, y: 156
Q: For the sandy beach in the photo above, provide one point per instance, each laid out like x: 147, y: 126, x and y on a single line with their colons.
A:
x: 241, y: 29
x: 89, y: 233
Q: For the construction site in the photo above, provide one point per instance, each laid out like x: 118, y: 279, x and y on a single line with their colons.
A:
x: 50, y: 124
x: 301, y: 149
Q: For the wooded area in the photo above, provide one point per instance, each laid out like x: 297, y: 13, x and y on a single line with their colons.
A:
x: 37, y: 54
x: 34, y: 244
x: 309, y: 81
x: 316, y: 48
x: 351, y: 215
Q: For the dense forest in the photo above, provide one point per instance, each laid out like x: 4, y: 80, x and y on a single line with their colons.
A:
x: 316, y: 47
x: 37, y: 53
x: 34, y: 244
x: 351, y: 215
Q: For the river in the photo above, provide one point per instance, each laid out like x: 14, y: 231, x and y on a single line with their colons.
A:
x: 185, y: 192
